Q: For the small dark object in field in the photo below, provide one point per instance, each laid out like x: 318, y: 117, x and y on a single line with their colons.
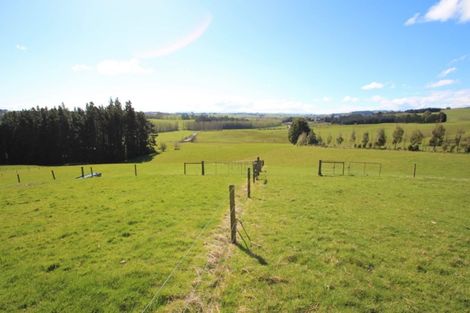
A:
x: 52, y: 267
x: 126, y: 234
x: 265, y: 181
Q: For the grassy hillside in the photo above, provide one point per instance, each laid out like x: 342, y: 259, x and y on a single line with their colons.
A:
x: 456, y: 115
x: 353, y: 243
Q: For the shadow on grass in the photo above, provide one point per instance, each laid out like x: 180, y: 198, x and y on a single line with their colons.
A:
x: 143, y: 158
x: 250, y: 253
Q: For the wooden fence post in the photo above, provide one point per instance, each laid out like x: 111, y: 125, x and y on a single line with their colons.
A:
x: 248, y: 186
x: 135, y: 169
x: 414, y: 170
x: 184, y: 168
x: 203, y: 172
x: 53, y: 175
x: 91, y: 172
x: 83, y: 173
x: 319, y: 168
x: 18, y: 178
x: 233, y: 218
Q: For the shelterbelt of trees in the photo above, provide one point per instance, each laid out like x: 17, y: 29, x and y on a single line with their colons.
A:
x: 97, y: 134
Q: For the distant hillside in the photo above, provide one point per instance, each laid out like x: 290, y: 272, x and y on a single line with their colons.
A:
x: 458, y: 115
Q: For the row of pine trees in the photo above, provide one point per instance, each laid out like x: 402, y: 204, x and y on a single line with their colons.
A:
x: 96, y: 134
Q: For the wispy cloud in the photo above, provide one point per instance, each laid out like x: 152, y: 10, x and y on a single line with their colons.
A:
x: 133, y: 65
x: 443, y: 11
x: 117, y: 67
x: 447, y: 71
x: 181, y: 43
x: 458, y: 98
x: 81, y: 68
x: 350, y: 99
x: 412, y: 20
x: 21, y: 47
x: 372, y: 86
x: 441, y: 83
x: 459, y: 59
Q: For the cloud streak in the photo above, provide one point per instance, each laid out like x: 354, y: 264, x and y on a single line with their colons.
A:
x: 447, y: 71
x: 112, y: 67
x: 194, y: 35
x: 441, y: 83
x: 372, y: 86
x: 21, y: 47
x: 444, y: 98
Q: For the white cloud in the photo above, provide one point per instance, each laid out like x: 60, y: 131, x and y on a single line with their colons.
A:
x: 447, y: 71
x: 21, y: 47
x: 326, y: 99
x: 195, y: 34
x: 444, y: 98
x: 441, y: 83
x: 118, y: 67
x: 459, y: 59
x: 372, y: 86
x: 412, y: 20
x: 443, y: 11
x: 350, y: 99
x: 81, y: 68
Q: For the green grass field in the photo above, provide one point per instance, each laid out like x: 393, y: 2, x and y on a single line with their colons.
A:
x: 319, y: 244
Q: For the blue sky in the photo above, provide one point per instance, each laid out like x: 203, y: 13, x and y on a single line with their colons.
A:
x: 236, y: 56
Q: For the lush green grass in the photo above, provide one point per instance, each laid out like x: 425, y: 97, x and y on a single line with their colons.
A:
x: 389, y: 243
x: 352, y: 244
x: 456, y: 115
x: 104, y: 244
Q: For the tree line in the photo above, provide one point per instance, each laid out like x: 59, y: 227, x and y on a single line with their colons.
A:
x: 300, y: 133
x: 96, y: 134
x: 378, y: 118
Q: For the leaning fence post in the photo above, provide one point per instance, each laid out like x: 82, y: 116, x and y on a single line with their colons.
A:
x: 83, y: 172
x: 414, y: 170
x: 233, y: 218
x: 18, y: 178
x: 53, y: 175
x: 202, y: 168
x: 248, y: 186
x: 135, y: 169
x: 319, y: 168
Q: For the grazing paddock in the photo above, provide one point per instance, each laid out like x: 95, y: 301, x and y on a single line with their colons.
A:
x: 351, y: 243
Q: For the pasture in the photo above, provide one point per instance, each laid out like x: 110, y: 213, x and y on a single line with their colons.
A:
x: 318, y: 244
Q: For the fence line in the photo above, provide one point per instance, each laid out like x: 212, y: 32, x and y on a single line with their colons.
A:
x: 178, y: 264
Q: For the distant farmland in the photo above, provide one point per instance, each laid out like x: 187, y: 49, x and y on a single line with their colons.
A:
x: 158, y: 241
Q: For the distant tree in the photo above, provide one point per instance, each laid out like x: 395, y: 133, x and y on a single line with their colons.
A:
x: 329, y: 139
x: 339, y: 139
x: 298, y: 126
x: 312, y: 138
x: 437, y: 137
x: 416, y: 139
x: 398, y: 136
x: 381, y: 138
x: 302, y: 139
x: 352, y: 139
x: 365, y: 139
x: 163, y: 147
